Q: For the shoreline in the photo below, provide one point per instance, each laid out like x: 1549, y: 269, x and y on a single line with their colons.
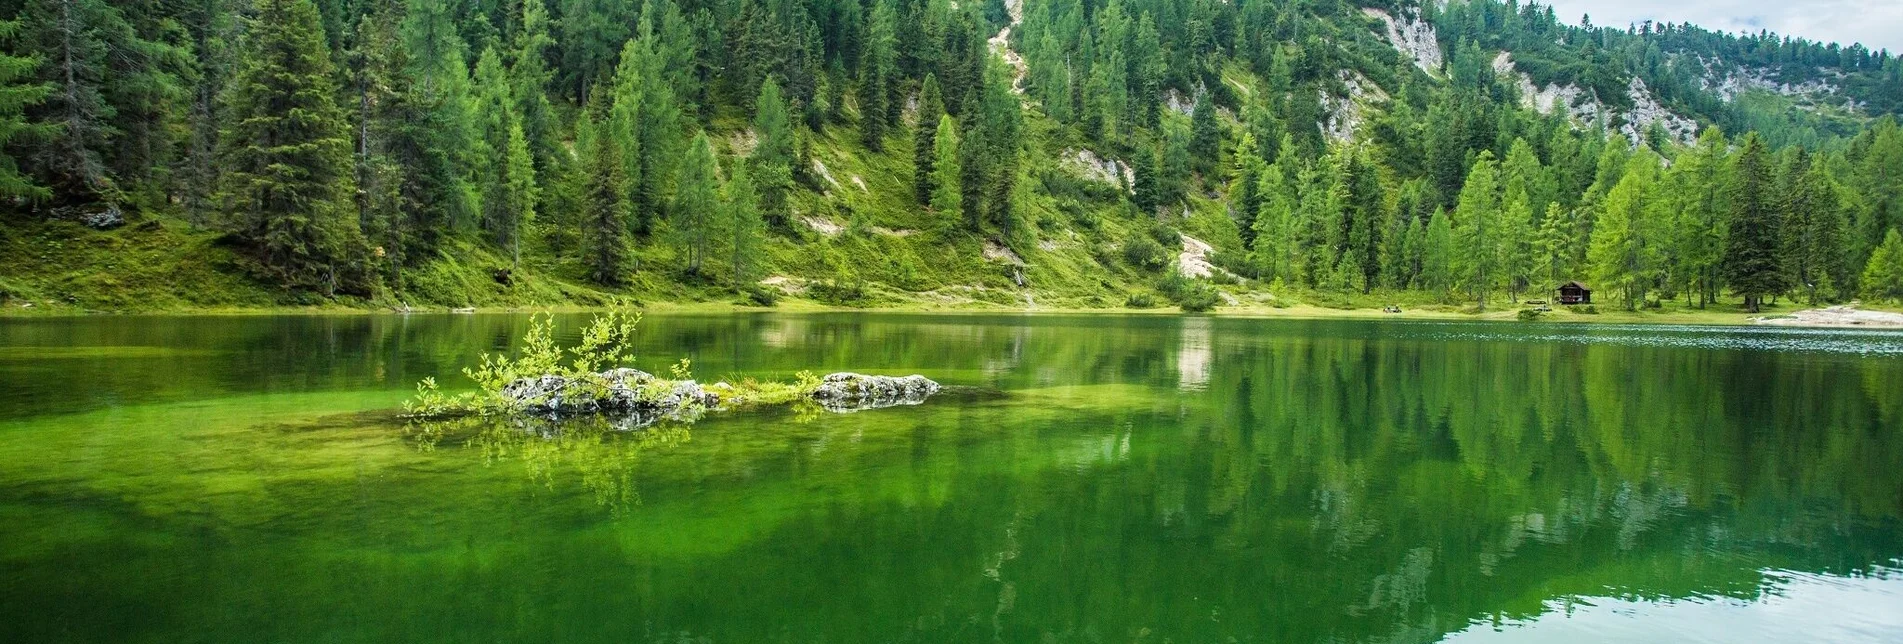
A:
x: 1716, y: 317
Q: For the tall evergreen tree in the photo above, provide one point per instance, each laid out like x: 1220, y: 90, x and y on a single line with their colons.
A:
x: 605, y: 217
x: 286, y: 151
x: 1752, y: 252
x: 17, y: 93
x: 773, y: 155
x: 924, y: 150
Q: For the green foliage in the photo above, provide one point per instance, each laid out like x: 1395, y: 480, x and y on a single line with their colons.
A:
x: 285, y: 153
x: 1145, y: 254
x: 1193, y: 295
x: 1883, y: 275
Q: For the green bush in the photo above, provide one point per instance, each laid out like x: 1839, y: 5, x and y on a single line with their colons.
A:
x: 759, y: 295
x: 1144, y: 253
x: 1165, y: 235
x: 851, y: 293
x: 1139, y: 301
x: 1193, y: 295
x: 1528, y: 315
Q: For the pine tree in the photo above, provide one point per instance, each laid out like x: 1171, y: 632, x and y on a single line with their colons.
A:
x: 1751, y: 264
x: 696, y: 203
x: 924, y: 151
x: 17, y: 94
x: 773, y: 156
x: 286, y: 151
x: 1883, y: 275
x: 946, y: 197
x: 745, y: 227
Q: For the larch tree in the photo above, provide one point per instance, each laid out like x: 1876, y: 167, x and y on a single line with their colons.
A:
x: 946, y: 196
x: 1623, y: 253
x: 1477, y: 228
x: 697, y: 205
x: 1439, y: 261
x: 1883, y: 274
x: 745, y: 228
x: 286, y: 151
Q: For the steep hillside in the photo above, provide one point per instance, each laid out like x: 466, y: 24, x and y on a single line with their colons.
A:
x: 924, y: 153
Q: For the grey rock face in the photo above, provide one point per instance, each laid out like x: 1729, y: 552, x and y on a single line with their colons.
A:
x: 846, y: 391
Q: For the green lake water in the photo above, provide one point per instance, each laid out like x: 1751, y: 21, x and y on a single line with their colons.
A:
x: 1087, y: 479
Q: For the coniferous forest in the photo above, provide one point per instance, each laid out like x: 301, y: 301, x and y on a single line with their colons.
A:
x: 1063, y: 153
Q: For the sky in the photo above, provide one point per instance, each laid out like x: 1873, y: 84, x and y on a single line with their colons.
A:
x: 1878, y: 24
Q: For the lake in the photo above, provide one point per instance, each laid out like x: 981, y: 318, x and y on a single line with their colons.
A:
x: 1087, y: 479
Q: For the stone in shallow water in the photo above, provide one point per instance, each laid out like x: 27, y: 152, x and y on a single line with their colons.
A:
x: 846, y: 391
x: 616, y: 391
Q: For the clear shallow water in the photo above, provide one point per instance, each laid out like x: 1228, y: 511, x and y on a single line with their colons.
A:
x: 1141, y: 479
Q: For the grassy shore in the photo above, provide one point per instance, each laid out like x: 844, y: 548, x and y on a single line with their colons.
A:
x: 1716, y: 315
x: 169, y: 267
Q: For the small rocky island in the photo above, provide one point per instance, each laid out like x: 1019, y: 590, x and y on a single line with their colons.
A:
x: 546, y: 382
x: 637, y: 392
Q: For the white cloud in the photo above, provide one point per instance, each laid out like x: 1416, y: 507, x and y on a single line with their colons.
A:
x: 1878, y: 24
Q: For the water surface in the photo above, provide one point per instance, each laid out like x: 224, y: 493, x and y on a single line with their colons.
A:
x: 1133, y: 479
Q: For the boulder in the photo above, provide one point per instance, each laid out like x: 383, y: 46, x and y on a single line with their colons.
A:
x: 613, y: 391
x: 848, y: 391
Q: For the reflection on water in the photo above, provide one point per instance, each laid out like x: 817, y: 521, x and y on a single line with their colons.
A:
x: 1145, y: 479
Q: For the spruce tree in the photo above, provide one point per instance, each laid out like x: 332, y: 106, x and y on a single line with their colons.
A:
x: 286, y: 151
x: 773, y: 154
x: 924, y: 151
x: 877, y: 74
x: 1205, y: 144
x: 530, y: 80
x: 1751, y: 265
x: 605, y: 210
x: 18, y: 92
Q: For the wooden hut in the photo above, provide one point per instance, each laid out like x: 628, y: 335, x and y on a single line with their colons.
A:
x: 1574, y: 293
